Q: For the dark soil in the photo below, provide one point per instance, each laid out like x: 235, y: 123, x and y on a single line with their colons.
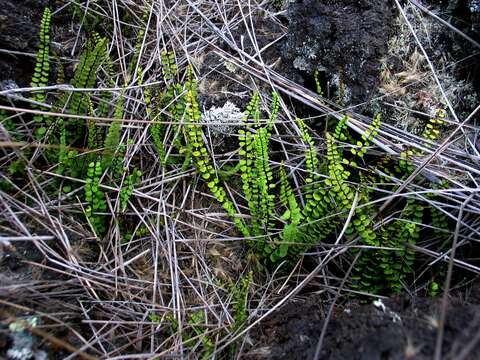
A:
x: 347, y: 38
x: 407, y: 329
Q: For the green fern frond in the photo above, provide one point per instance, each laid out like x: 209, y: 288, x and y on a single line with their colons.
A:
x: 311, y: 159
x: 367, y: 137
x: 42, y: 68
x: 247, y: 160
x: 201, y: 159
x: 112, y: 140
x: 275, y: 109
x: 318, y: 87
x: 137, y: 48
x: 95, y: 197
x: 432, y: 131
x: 169, y: 67
x: 86, y: 75
x: 127, y: 188
x: 42, y: 64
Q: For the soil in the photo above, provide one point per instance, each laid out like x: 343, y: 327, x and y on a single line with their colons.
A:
x: 406, y: 329
x: 325, y: 35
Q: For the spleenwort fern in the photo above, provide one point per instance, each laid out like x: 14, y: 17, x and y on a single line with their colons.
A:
x: 173, y: 101
x: 247, y: 159
x: 367, y: 137
x: 95, y: 197
x: 311, y: 160
x: 86, y: 75
x: 318, y: 87
x: 292, y: 215
x: 201, y: 159
x: 42, y: 69
x: 127, y: 188
x: 112, y: 140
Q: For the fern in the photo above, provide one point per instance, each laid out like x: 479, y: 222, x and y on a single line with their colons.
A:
x: 431, y: 131
x: 86, y: 74
x: 318, y: 87
x: 95, y: 197
x: 240, y: 297
x: 247, y: 160
x: 42, y: 64
x: 42, y: 69
x: 112, y: 140
x: 311, y: 159
x: 201, y: 159
x: 367, y: 137
x: 334, y: 195
x: 173, y: 100
x: 293, y: 215
x: 137, y: 48
x: 127, y: 188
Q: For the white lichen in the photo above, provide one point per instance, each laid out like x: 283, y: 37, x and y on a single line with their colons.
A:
x: 221, y: 119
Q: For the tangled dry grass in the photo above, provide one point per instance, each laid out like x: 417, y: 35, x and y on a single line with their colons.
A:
x: 133, y: 298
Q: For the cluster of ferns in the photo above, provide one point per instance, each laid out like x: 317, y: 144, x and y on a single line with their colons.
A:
x: 282, y: 222
x: 80, y: 148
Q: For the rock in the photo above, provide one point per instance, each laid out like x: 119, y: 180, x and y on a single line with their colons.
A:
x: 344, y: 39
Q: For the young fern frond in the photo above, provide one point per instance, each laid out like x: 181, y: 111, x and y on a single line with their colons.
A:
x: 339, y: 189
x: 137, y: 48
x: 254, y: 165
x: 169, y: 67
x: 291, y: 235
x: 247, y: 160
x: 318, y: 87
x: 106, y: 97
x: 127, y: 189
x: 86, y: 75
x: 157, y: 130
x: 240, y: 298
x: 367, y: 137
x: 42, y: 68
x: 432, y: 131
x: 173, y: 99
x: 95, y: 197
x: 264, y: 177
x: 311, y: 159
x: 112, y: 140
x: 42, y: 63
x: 275, y: 109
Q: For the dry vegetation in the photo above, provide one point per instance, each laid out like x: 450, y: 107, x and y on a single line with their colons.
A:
x: 170, y: 276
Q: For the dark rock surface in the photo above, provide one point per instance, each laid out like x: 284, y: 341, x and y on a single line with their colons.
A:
x: 347, y: 38
x: 19, y: 27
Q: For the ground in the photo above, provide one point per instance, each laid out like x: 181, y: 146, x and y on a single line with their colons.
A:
x: 349, y: 42
x: 406, y: 328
